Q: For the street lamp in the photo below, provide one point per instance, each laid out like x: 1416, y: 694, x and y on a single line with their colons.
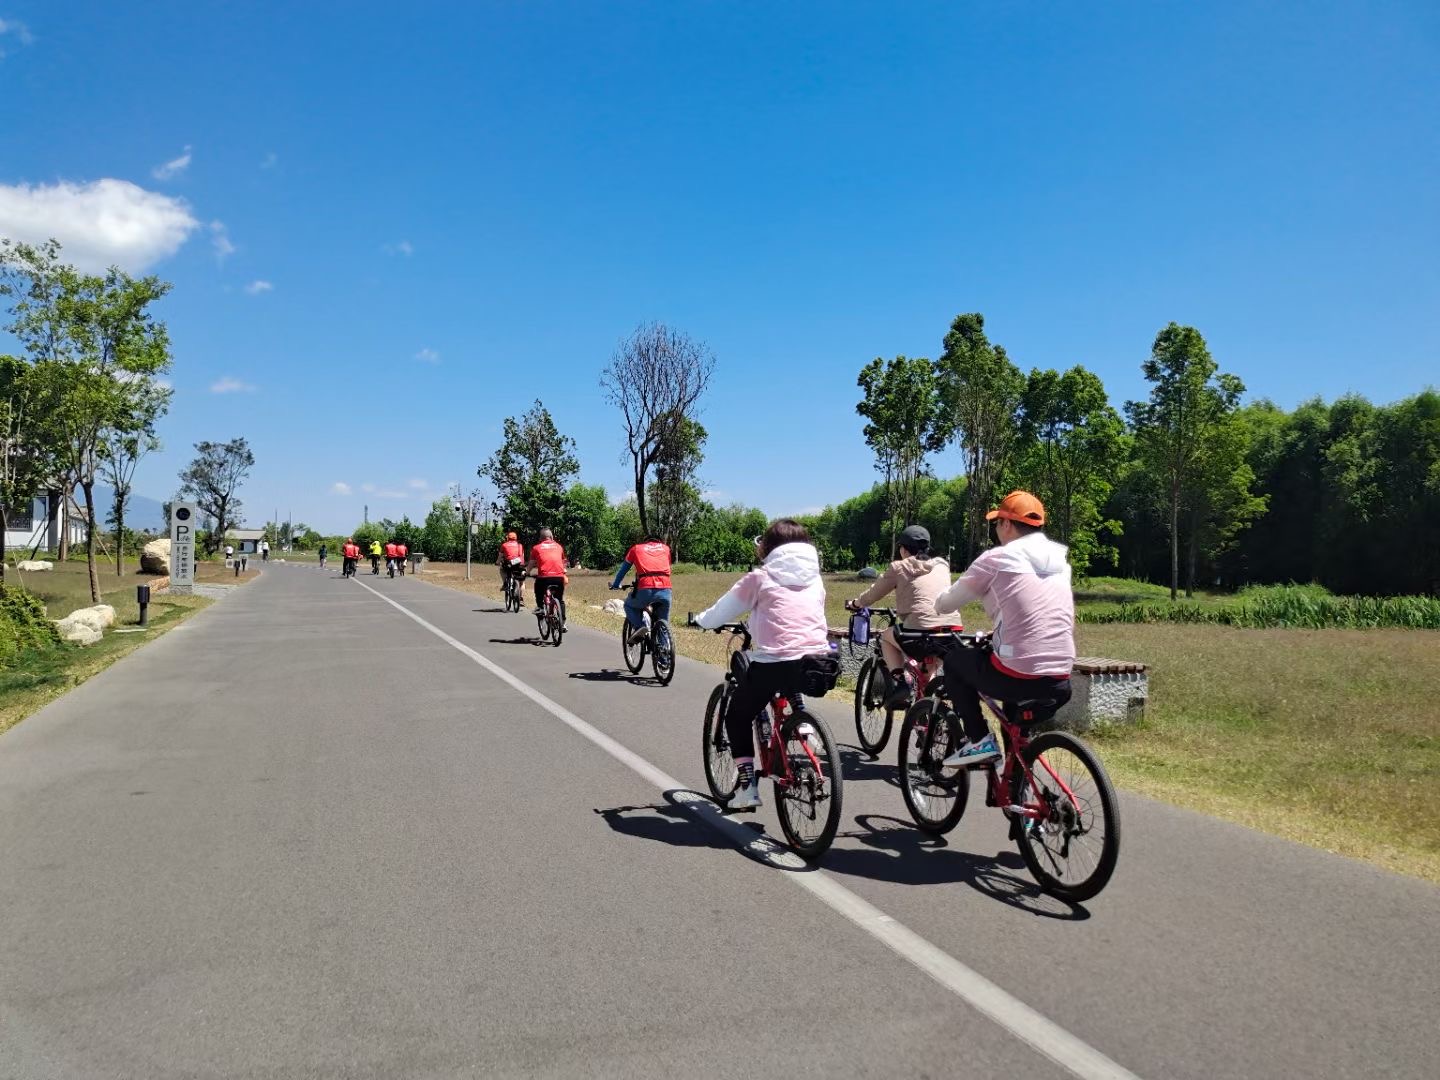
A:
x: 465, y: 506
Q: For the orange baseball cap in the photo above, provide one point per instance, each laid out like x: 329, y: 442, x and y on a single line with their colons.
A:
x: 1019, y: 506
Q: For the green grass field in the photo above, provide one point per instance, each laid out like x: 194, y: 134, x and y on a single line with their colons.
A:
x: 1328, y: 737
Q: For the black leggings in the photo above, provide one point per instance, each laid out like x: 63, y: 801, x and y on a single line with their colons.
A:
x: 969, y: 673
x: 761, y: 683
x: 543, y: 583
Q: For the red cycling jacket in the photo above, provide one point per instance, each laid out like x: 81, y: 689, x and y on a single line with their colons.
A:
x: 351, y: 551
x: 401, y: 550
x: 652, y: 565
x: 512, y: 549
x: 549, y: 559
x: 391, y: 551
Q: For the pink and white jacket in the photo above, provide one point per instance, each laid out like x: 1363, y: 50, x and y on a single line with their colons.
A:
x: 1025, y: 586
x: 786, y: 601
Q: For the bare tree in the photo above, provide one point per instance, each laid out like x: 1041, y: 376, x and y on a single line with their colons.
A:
x: 211, y: 481
x: 655, y: 378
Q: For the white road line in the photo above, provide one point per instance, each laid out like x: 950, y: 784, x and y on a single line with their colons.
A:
x: 1039, y: 1032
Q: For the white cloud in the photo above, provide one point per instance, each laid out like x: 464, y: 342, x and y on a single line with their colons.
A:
x: 367, y: 488
x: 173, y: 167
x: 340, y: 488
x: 269, y: 161
x: 428, y: 356
x: 231, y: 385
x: 400, y: 247
x: 18, y: 30
x: 255, y: 288
x: 220, y: 240
x: 418, y: 485
x: 100, y: 224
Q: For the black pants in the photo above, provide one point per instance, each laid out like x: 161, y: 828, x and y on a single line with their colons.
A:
x: 347, y: 566
x: 374, y: 564
x: 969, y: 673
x: 762, y: 682
x: 543, y: 583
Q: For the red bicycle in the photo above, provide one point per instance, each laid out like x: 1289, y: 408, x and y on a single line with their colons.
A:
x: 1062, y: 808
x: 795, y: 749
x: 873, y: 685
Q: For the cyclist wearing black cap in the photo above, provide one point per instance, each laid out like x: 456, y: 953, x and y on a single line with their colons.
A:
x: 916, y: 578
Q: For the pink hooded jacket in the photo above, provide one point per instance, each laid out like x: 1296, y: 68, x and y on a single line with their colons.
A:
x: 786, y: 600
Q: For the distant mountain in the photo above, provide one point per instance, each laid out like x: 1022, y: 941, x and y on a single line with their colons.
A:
x: 143, y: 514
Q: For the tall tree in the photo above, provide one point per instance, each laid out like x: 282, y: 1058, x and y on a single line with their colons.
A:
x: 531, y: 470
x: 1188, y: 400
x: 674, y: 496
x: 1075, y: 444
x: 902, y: 407
x: 211, y: 481
x: 27, y: 441
x: 91, y: 337
x: 655, y: 378
x: 122, y: 450
x: 981, y: 389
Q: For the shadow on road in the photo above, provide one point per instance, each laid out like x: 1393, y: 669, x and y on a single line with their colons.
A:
x: 894, y: 850
x: 518, y: 641
x: 856, y: 764
x: 616, y: 675
x: 667, y: 824
x: 489, y: 611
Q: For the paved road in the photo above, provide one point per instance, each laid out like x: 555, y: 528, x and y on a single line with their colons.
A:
x: 311, y: 834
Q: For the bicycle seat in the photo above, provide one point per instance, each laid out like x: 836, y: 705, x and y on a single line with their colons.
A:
x: 1032, y: 710
x: 922, y: 643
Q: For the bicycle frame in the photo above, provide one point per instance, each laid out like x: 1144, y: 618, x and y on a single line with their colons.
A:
x: 781, y: 708
x: 1001, y: 780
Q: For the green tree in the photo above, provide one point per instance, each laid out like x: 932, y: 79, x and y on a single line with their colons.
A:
x: 656, y: 378
x: 442, y: 537
x: 674, y: 496
x: 1188, y: 402
x: 981, y: 390
x: 902, y: 407
x: 1074, y: 444
x: 122, y: 449
x: 531, y: 470
x: 27, y: 441
x: 211, y: 481
x: 587, y: 527
x: 92, y: 339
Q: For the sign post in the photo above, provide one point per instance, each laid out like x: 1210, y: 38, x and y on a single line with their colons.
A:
x: 184, y: 517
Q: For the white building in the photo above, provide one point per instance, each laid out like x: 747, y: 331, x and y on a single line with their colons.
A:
x: 246, y: 541
x: 37, y: 525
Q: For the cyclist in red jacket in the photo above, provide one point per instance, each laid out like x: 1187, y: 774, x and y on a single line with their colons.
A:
x: 548, y: 559
x: 651, y: 561
x: 511, y: 559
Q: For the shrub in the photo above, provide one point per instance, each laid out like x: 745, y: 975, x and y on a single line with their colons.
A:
x: 23, y: 625
x: 1285, y: 607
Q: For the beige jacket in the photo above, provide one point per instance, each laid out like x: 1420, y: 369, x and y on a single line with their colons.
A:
x: 916, y: 583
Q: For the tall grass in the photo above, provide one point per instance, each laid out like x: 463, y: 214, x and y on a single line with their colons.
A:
x: 1302, y: 607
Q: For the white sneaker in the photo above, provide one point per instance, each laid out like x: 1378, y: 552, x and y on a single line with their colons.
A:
x: 746, y: 797
x: 971, y: 754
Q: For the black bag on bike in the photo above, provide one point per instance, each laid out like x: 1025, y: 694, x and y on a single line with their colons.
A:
x: 818, y: 674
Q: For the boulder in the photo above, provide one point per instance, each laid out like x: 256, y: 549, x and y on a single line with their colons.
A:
x: 80, y: 631
x: 869, y: 573
x: 33, y: 565
x: 615, y: 607
x: 106, y: 614
x: 155, y: 557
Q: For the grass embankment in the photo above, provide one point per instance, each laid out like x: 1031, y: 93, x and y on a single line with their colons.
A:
x: 35, y: 676
x: 1327, y: 737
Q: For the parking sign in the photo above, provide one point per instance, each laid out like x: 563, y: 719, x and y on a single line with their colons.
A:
x: 184, y: 517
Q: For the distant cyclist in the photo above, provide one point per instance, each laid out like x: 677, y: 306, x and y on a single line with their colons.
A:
x: 548, y: 559
x: 375, y: 552
x: 511, y: 559
x: 350, y: 554
x: 1025, y: 586
x: 651, y: 561
x: 402, y: 552
x: 392, y: 550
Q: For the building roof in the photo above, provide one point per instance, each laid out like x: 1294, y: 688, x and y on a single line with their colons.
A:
x: 244, y: 534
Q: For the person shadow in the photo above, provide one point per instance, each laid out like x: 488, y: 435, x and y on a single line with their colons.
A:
x: 615, y: 675
x: 666, y: 823
x: 895, y: 851
x: 856, y: 765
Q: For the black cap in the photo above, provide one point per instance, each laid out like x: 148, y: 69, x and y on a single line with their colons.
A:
x: 916, y: 538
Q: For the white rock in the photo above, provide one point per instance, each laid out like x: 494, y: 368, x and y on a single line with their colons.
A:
x: 79, y: 631
x: 155, y: 557
x: 615, y: 607
x: 33, y: 565
x: 106, y: 614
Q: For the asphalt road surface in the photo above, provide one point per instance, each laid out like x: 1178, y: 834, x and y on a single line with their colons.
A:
x: 366, y: 828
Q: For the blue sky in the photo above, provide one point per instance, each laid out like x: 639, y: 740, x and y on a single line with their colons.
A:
x: 390, y: 226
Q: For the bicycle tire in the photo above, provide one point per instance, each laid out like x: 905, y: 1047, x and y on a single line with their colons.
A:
x: 627, y: 649
x: 544, y: 621
x: 830, y: 785
x: 662, y: 651
x: 557, y: 630
x: 926, y: 787
x: 872, y: 720
x: 720, y: 772
x: 1032, y: 834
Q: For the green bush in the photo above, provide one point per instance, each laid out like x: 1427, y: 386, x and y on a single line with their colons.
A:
x: 23, y: 625
x: 1283, y: 606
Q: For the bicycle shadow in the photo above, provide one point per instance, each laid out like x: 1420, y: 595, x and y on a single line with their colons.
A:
x: 690, y: 819
x: 615, y: 675
x: 519, y: 641
x: 856, y: 764
x: 902, y: 854
x: 489, y: 611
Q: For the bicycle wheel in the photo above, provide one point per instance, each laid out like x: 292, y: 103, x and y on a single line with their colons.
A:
x: 557, y: 629
x: 934, y: 795
x: 1073, y: 851
x: 633, y: 652
x: 872, y: 718
x: 662, y: 651
x: 810, y: 798
x: 544, y: 621
x: 720, y: 771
